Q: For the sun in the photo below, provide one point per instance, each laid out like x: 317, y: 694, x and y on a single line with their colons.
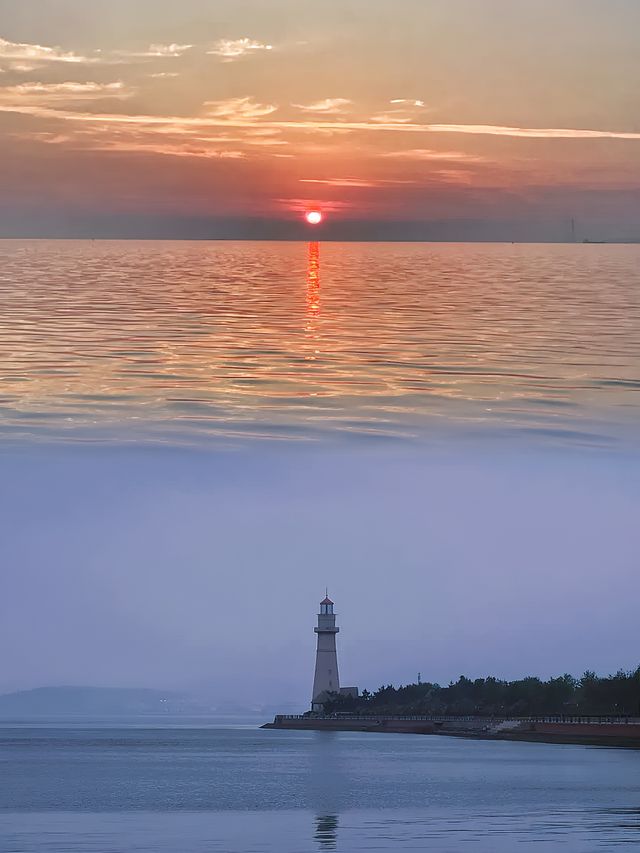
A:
x: 313, y: 217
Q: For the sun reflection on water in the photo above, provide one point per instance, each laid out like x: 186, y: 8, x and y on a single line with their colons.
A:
x: 313, y: 280
x: 189, y: 341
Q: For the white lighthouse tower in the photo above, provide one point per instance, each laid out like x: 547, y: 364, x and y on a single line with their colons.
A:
x: 326, y: 679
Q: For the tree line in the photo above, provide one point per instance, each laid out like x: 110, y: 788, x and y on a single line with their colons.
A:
x: 617, y: 694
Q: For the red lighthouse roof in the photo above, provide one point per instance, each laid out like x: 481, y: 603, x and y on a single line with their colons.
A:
x: 327, y: 601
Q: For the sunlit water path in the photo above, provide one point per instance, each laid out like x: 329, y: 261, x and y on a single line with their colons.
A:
x: 224, y: 342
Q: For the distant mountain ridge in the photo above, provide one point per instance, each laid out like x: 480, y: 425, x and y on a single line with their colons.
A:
x: 98, y: 701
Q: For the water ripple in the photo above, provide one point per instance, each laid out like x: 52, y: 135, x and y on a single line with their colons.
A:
x: 189, y: 342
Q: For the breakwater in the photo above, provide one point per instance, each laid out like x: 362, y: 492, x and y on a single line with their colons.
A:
x: 598, y: 731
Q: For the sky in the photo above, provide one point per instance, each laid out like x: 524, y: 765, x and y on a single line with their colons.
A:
x: 204, y: 571
x: 154, y: 566
x: 400, y: 120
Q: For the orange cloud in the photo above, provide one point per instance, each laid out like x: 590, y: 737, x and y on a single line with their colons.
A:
x: 26, y: 57
x: 230, y: 49
x: 68, y: 91
x: 237, y: 109
x: 353, y: 182
x: 430, y: 154
x: 156, y: 51
x: 327, y: 106
x: 531, y: 132
x: 37, y: 52
x: 243, y: 112
x: 408, y: 101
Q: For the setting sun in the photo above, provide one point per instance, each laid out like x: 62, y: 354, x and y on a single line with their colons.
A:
x: 313, y: 217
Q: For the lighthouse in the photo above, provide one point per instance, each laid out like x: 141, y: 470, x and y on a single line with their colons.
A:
x: 326, y: 679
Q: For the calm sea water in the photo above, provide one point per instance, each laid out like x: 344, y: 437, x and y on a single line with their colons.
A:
x: 95, y: 789
x: 224, y: 342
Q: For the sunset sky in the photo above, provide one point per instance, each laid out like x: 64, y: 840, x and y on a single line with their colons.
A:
x: 501, y: 119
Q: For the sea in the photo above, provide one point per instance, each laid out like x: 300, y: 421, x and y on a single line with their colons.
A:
x: 198, y: 786
x: 223, y: 343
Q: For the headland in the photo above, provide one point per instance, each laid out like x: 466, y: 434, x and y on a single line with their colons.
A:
x: 599, y: 711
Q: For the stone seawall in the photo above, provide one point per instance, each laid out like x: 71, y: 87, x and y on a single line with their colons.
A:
x: 598, y: 732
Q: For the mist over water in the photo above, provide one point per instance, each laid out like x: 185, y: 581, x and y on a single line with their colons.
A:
x: 221, y: 343
x: 202, y: 571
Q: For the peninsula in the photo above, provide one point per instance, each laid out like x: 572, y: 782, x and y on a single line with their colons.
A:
x: 590, y: 709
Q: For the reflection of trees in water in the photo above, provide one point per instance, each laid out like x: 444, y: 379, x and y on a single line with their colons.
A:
x: 327, y: 832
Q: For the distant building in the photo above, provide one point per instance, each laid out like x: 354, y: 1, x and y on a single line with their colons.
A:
x: 326, y: 680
